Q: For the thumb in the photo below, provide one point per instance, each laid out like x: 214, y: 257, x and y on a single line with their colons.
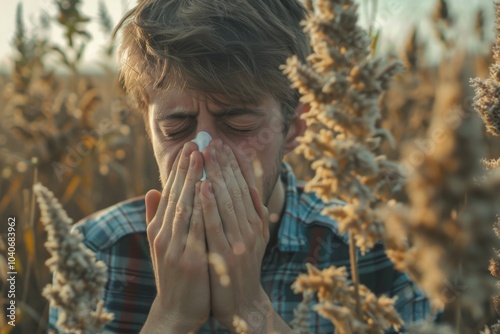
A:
x: 152, y: 200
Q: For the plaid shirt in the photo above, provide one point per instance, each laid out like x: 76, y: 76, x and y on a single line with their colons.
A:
x: 118, y: 237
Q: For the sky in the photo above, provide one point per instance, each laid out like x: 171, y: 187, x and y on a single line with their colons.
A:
x: 395, y: 18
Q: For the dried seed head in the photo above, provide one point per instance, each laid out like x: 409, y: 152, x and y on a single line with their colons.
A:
x: 337, y: 300
x: 487, y: 100
x: 79, y: 278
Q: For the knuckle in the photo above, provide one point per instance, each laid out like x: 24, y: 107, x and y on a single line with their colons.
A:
x: 174, y: 196
x: 171, y: 260
x: 215, y: 228
x: 197, y: 206
x: 159, y: 245
x: 151, y: 231
x: 228, y: 206
x: 226, y: 174
x: 244, y: 188
x: 218, y: 182
x: 191, y: 178
x: 265, y: 210
x: 218, y: 176
x: 183, y: 164
x: 254, y: 220
x: 182, y: 210
x: 235, y: 193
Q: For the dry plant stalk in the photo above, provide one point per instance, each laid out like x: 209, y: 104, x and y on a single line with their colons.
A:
x: 301, y: 314
x: 491, y: 164
x: 487, y: 99
x: 337, y: 299
x: 452, y: 206
x: 343, y: 85
x: 495, y: 329
x: 80, y: 279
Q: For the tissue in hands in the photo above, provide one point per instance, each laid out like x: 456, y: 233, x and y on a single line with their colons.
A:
x: 202, y: 140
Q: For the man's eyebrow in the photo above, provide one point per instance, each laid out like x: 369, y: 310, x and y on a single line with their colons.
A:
x: 225, y: 112
x: 175, y: 115
x: 238, y: 111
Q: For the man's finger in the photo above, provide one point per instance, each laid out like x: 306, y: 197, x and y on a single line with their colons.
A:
x: 162, y: 206
x: 178, y: 182
x: 246, y: 167
x: 214, y: 231
x: 261, y: 211
x: 184, y: 206
x: 196, y: 243
x: 225, y: 205
x: 152, y: 200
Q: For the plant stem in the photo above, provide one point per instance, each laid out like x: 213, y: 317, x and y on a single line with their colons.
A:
x: 354, y: 274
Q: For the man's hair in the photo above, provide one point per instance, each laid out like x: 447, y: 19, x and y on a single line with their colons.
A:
x: 229, y: 48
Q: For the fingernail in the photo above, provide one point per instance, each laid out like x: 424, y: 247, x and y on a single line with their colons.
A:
x: 210, y: 189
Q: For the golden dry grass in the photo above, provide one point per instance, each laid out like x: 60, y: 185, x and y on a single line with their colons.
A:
x: 92, y: 150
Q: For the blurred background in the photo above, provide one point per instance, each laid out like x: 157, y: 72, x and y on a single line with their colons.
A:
x: 65, y: 120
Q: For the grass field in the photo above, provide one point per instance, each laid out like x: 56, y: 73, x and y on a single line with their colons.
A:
x: 79, y: 136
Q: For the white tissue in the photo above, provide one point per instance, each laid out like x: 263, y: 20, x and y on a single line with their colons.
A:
x: 202, y: 140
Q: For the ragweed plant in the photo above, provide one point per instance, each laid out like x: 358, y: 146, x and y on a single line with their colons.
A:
x: 79, y: 278
x: 487, y: 104
x: 452, y: 206
x: 337, y: 299
x: 89, y: 144
x: 487, y: 99
x: 342, y: 83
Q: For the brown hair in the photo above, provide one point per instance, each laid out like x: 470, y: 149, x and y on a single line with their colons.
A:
x: 231, y: 48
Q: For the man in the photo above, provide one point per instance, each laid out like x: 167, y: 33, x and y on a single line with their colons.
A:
x: 191, y: 257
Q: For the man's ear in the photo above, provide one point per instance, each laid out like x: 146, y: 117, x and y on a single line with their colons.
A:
x: 297, y: 128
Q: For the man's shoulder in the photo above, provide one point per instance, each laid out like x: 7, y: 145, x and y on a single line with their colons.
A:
x: 105, y: 227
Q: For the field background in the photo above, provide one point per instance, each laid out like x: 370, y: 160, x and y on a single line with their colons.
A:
x: 90, y: 146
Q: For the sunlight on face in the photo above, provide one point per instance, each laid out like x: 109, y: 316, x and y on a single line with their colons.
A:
x: 254, y: 131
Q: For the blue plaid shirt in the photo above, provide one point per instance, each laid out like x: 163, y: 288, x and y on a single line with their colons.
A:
x: 118, y: 237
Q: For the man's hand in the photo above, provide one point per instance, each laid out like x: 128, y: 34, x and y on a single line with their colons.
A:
x: 236, y: 226
x: 178, y: 248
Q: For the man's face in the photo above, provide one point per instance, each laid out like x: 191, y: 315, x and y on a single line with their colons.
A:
x: 254, y: 132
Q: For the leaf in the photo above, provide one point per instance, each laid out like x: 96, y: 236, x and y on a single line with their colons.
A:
x: 71, y: 188
x: 63, y: 55
x: 80, y: 52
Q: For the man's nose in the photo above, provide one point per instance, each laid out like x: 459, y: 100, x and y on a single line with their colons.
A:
x: 209, y: 126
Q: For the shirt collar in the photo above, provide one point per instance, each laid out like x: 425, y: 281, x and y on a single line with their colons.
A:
x: 302, y: 210
x: 291, y: 234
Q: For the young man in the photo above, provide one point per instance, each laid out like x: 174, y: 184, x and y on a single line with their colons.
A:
x: 213, y: 66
